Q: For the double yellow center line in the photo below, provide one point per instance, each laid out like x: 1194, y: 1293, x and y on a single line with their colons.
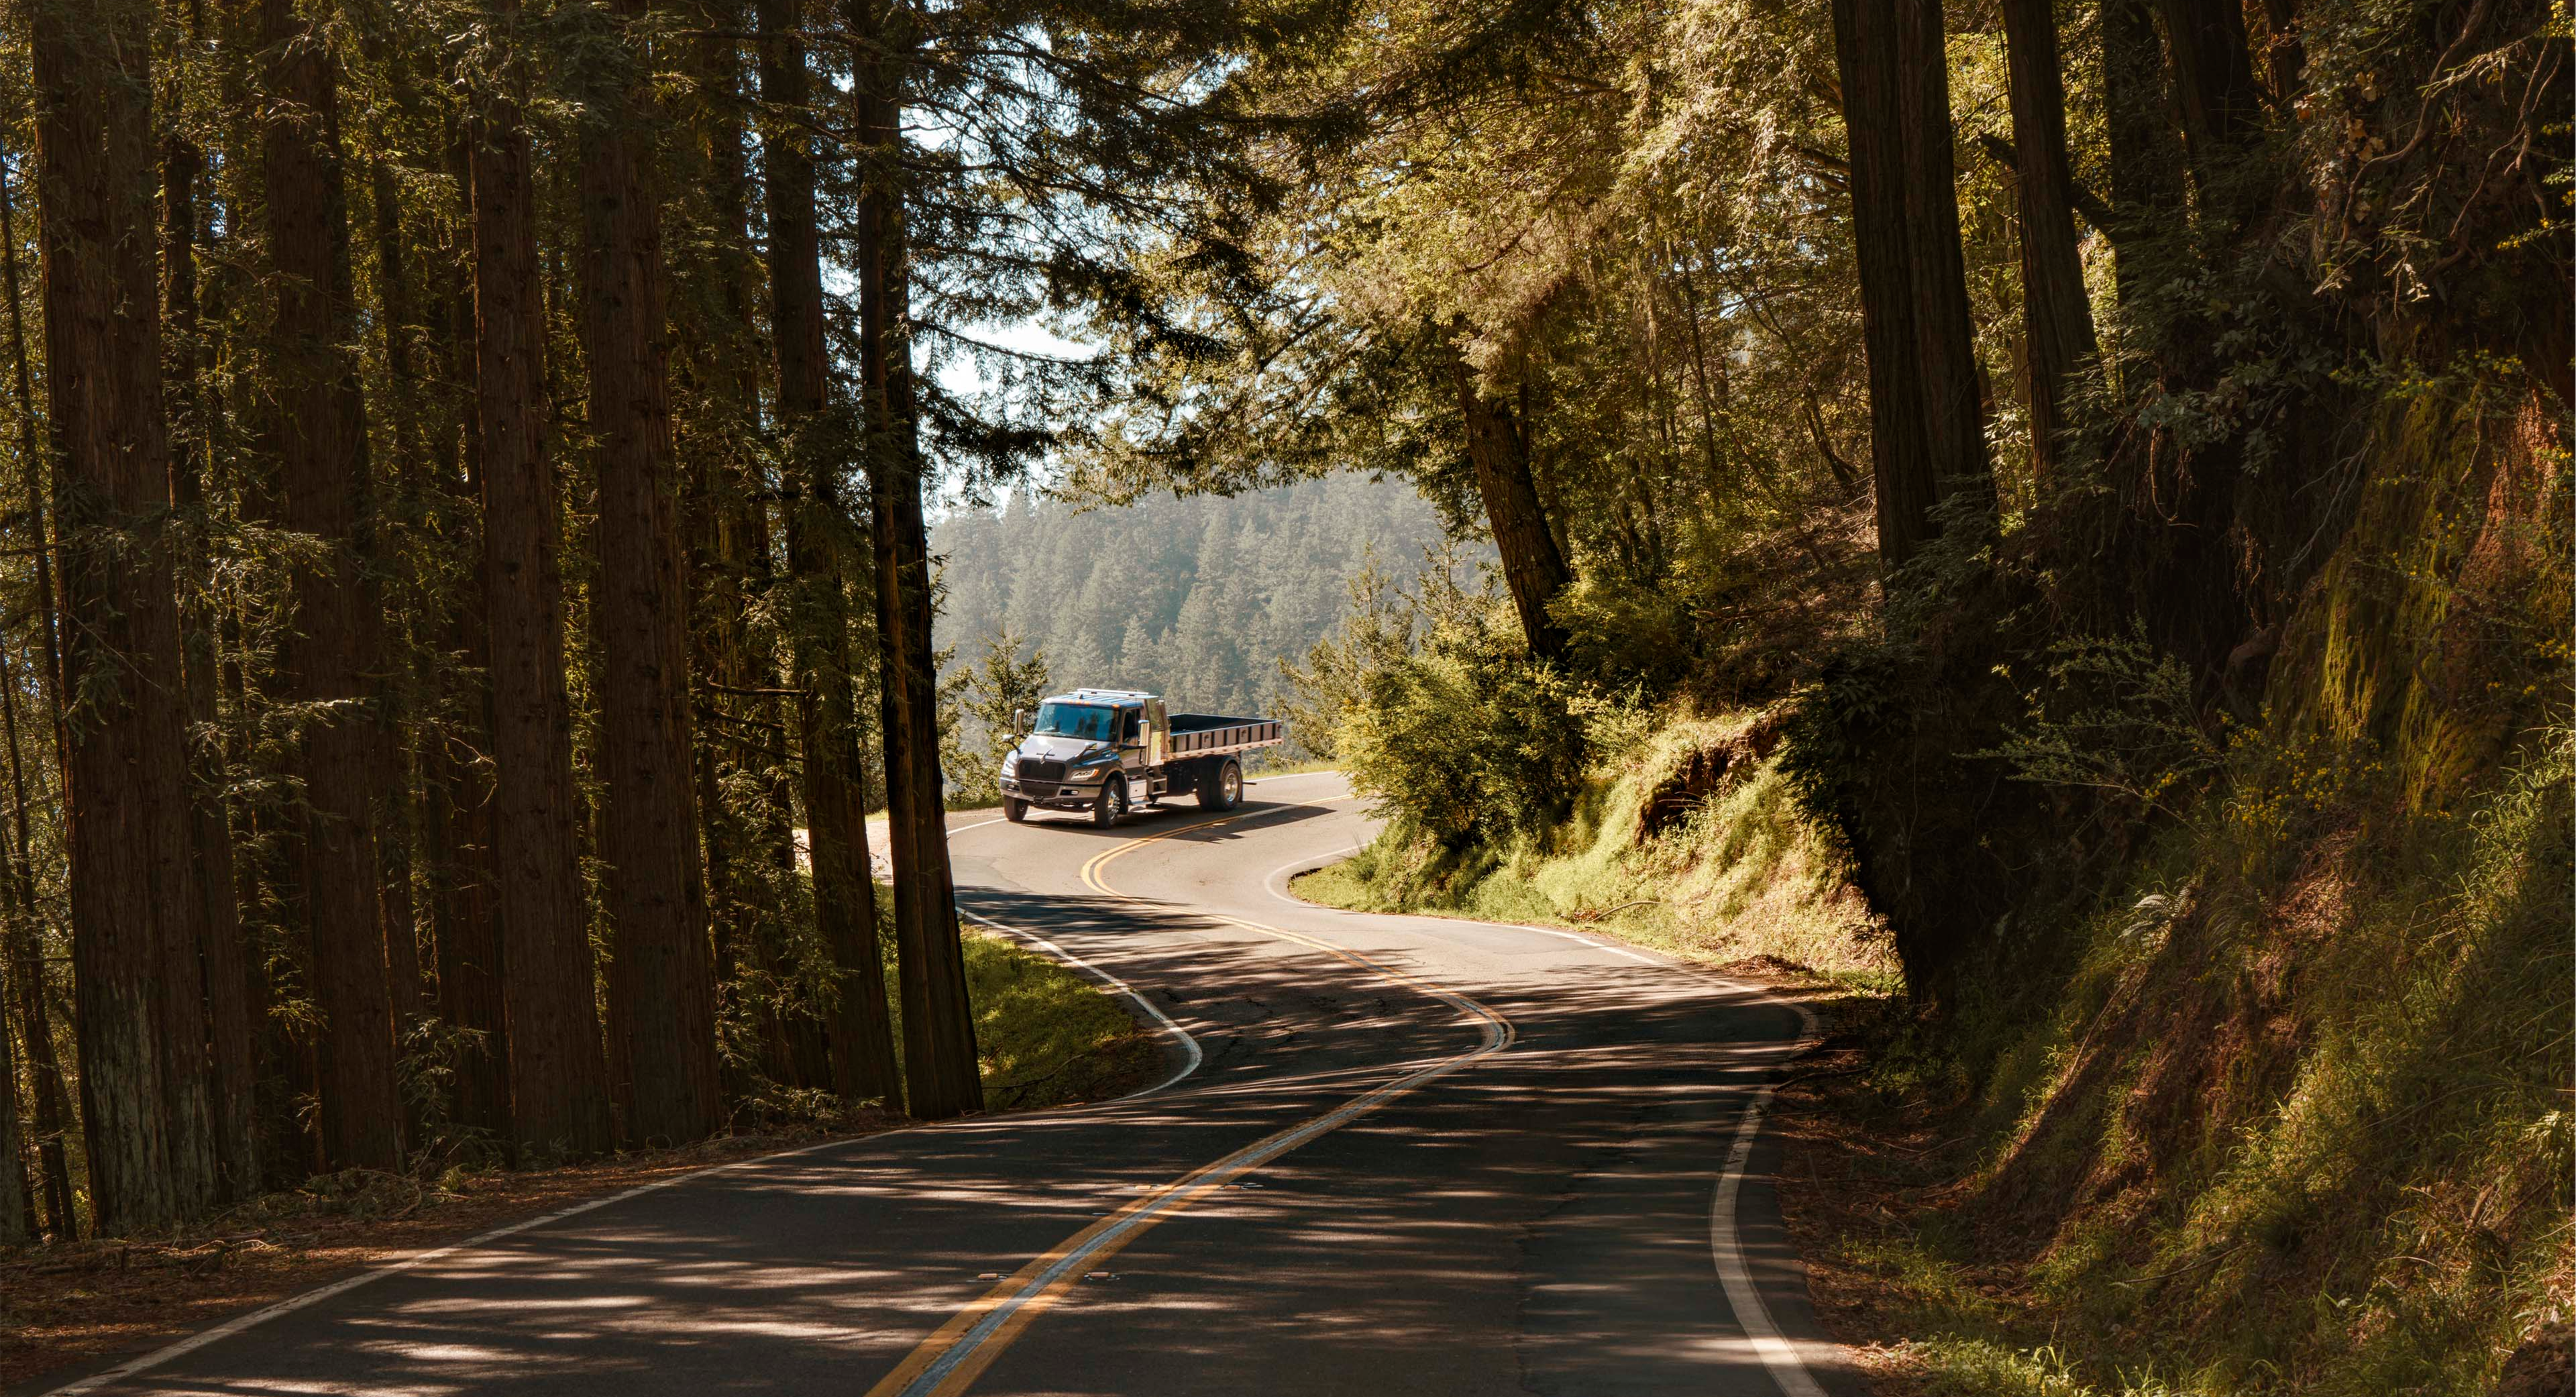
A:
x: 950, y: 1360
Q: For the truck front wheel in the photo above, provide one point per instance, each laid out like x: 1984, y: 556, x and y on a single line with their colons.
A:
x: 1112, y: 805
x: 1224, y: 790
x: 1014, y: 809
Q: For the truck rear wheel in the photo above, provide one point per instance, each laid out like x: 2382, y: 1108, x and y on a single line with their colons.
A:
x: 1112, y: 805
x: 1224, y: 791
x: 1014, y: 809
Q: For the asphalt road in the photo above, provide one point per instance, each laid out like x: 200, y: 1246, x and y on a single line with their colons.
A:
x: 1398, y: 1155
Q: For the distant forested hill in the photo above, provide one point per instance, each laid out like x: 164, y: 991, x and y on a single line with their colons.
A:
x: 1196, y: 599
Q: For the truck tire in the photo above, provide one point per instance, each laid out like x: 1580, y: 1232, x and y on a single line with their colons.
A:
x: 1223, y: 789
x: 1112, y: 805
x: 1014, y: 809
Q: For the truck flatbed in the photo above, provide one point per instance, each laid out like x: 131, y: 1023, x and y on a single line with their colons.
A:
x: 1108, y: 751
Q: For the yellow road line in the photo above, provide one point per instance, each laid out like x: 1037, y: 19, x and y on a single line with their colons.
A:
x: 949, y: 1361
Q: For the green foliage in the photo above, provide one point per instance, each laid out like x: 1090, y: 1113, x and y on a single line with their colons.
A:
x: 1739, y: 875
x: 2115, y: 716
x: 981, y: 702
x: 1436, y: 710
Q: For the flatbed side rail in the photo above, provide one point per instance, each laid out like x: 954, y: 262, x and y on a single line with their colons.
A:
x: 1234, y: 737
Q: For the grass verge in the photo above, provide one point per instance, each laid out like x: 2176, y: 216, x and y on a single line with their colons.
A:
x: 1689, y: 844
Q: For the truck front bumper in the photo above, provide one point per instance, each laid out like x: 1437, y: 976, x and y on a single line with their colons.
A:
x: 1053, y: 795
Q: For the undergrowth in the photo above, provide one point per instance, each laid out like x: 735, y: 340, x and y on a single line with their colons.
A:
x: 2296, y: 1123
x: 1731, y: 874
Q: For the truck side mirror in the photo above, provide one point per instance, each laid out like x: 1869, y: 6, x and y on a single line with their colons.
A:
x: 1019, y: 720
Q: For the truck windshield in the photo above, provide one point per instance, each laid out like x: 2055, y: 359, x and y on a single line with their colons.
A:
x: 1089, y: 722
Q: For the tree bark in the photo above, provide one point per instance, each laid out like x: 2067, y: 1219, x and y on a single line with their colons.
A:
x: 25, y: 954
x: 2213, y: 75
x: 726, y: 518
x: 862, y: 1036
x: 942, y: 1074
x: 2146, y: 157
x: 558, y: 1075
x: 133, y: 886
x: 1954, y: 419
x: 1865, y: 47
x: 1926, y: 427
x: 332, y: 663
x: 1534, y: 567
x: 17, y: 1206
x: 662, y: 976
x: 2057, y: 313
x: 463, y: 920
x: 53, y: 1097
x: 231, y: 1054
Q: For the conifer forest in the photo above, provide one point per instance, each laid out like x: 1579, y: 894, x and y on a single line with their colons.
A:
x: 524, y: 522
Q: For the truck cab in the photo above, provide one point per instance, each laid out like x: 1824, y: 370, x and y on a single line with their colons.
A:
x: 1108, y: 752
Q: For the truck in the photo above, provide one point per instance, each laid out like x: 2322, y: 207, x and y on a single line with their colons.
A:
x: 1108, y: 752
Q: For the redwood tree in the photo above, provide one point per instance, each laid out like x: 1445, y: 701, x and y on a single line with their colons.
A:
x: 558, y: 1076
x: 941, y: 1073
x: 818, y: 527
x: 325, y: 493
x: 661, y: 973
x: 133, y: 888
x: 1926, y: 429
x: 2057, y: 314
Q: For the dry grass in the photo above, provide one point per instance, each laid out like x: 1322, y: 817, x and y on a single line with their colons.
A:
x: 1737, y: 877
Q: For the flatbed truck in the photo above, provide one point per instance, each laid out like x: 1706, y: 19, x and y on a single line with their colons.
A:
x: 1108, y: 752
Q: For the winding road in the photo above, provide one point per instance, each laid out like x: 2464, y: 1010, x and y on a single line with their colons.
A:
x: 1394, y: 1155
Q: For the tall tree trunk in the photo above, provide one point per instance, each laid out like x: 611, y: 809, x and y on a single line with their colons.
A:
x: 463, y: 918
x: 942, y: 1075
x: 25, y: 954
x: 133, y: 889
x: 662, y: 976
x: 2057, y: 314
x: 1945, y: 352
x: 2213, y: 75
x: 2146, y: 157
x: 39, y: 494
x: 400, y: 829
x: 331, y: 661
x: 558, y: 1076
x: 218, y: 922
x: 724, y: 512
x: 1927, y: 430
x: 1533, y: 566
x: 1901, y: 458
x: 17, y: 1207
x: 862, y: 1036
x: 53, y: 1097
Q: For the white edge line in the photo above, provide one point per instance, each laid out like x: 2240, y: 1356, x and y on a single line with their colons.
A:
x: 238, y: 1323
x: 1726, y: 1248
x: 1189, y: 1045
x: 1779, y: 1354
x: 1312, y: 862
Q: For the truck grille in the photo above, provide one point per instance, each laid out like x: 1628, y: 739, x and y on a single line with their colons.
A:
x: 1041, y: 771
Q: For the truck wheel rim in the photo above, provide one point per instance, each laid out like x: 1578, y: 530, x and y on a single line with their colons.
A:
x: 1233, y: 783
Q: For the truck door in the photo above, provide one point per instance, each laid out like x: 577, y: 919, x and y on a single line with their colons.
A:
x: 1131, y: 750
